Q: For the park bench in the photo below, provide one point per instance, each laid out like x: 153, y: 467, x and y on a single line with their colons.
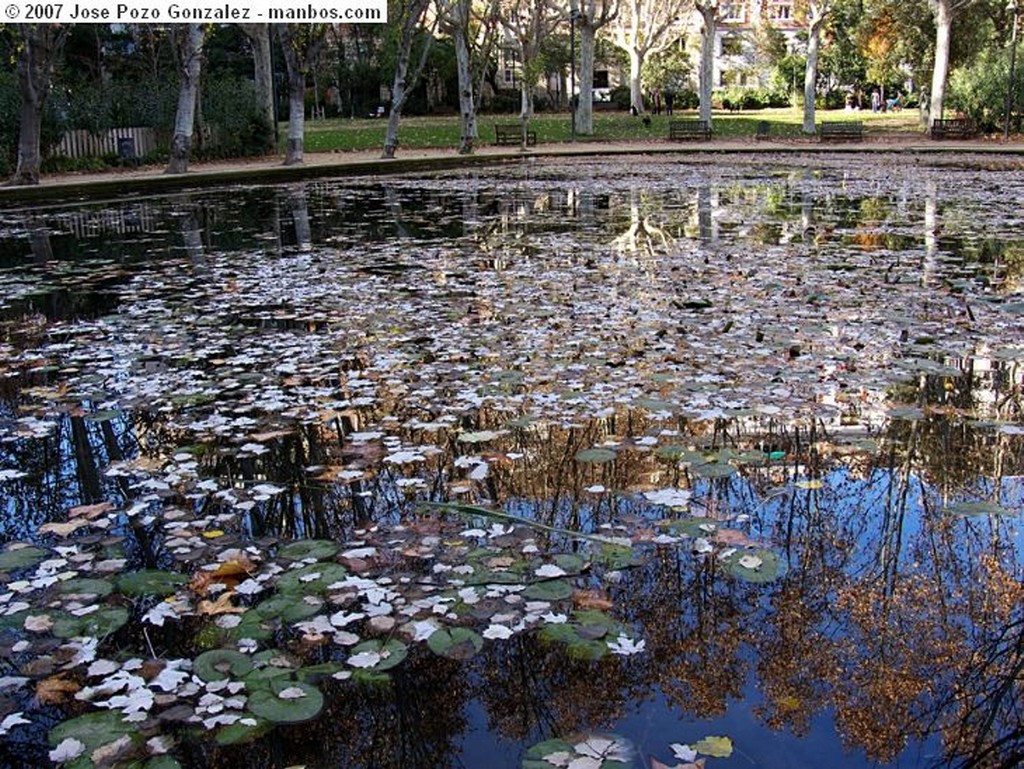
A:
x: 679, y: 130
x: 953, y: 128
x: 841, y: 130
x: 512, y: 133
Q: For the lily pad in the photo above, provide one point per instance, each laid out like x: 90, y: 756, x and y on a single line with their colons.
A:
x: 717, y: 747
x: 968, y: 509
x: 714, y: 470
x: 286, y: 608
x: 287, y: 704
x: 311, y: 579
x: 596, y: 456
x: 459, y: 643
x: 100, y: 623
x: 92, y: 729
x: 550, y: 590
x: 239, y: 733
x: 319, y: 549
x: 151, y: 582
x: 21, y: 557
x: 378, y: 655
x: 218, y: 664
x: 758, y: 565
x: 86, y: 586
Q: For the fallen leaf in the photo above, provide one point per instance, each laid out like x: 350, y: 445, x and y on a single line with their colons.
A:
x: 221, y: 606
x: 591, y: 599
x: 90, y: 511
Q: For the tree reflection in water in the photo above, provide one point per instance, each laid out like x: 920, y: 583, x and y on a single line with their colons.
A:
x: 872, y: 449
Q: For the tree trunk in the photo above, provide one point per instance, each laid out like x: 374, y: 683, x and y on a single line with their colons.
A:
x: 707, y: 59
x: 259, y: 37
x: 943, y: 27
x: 467, y: 104
x: 811, y: 75
x: 636, y: 94
x: 585, y: 102
x: 184, y: 119
x: 301, y: 48
x: 402, y: 84
x: 40, y: 46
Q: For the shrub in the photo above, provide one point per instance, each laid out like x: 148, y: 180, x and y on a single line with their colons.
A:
x: 229, y: 109
x: 620, y: 97
x: 979, y: 89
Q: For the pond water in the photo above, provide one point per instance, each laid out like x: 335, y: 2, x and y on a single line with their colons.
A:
x: 599, y: 463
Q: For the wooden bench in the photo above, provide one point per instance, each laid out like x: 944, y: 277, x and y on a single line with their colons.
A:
x: 512, y: 133
x: 679, y: 130
x: 841, y: 131
x: 953, y: 128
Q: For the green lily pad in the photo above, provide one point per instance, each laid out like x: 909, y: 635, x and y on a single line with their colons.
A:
x: 459, y: 643
x: 311, y: 579
x: 654, y: 404
x: 104, y: 415
x: 679, y: 453
x: 549, y: 590
x: 596, y: 456
x: 151, y: 582
x: 218, y: 664
x: 21, y: 557
x: 100, y: 623
x: 693, y: 527
x: 162, y: 762
x: 536, y: 755
x: 289, y: 702
x: 313, y: 674
x: 239, y: 733
x: 967, y: 509
x: 587, y: 649
x: 286, y: 608
x: 561, y: 632
x: 758, y: 565
x: 254, y: 624
x: 319, y: 549
x: 714, y: 470
x: 86, y: 586
x: 570, y: 562
x: 378, y: 655
x: 92, y: 729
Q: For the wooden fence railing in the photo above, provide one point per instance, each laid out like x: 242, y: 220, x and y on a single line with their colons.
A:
x: 84, y: 144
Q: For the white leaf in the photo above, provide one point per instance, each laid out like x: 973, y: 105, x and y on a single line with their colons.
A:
x: 683, y: 752
x: 626, y: 646
x: 291, y: 693
x: 750, y: 562
x: 68, y: 750
x: 498, y: 631
x: 550, y: 570
x: 11, y: 721
x: 364, y: 659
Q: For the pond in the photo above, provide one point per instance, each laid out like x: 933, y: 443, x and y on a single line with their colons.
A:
x: 594, y: 463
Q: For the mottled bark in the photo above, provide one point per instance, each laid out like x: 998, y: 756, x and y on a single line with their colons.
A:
x: 301, y: 45
x: 943, y: 10
x: 188, y: 90
x: 811, y: 74
x: 709, y: 16
x: 412, y: 19
x: 263, y: 76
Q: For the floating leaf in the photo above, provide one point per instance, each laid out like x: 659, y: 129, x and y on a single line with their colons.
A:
x: 596, y: 456
x: 311, y: 579
x: 218, y: 664
x: 389, y: 653
x: 757, y: 565
x: 320, y: 549
x: 457, y: 643
x: 92, y: 729
x: 21, y: 557
x: 551, y: 590
x: 151, y: 582
x: 291, y: 704
x: 286, y: 608
x: 99, y: 623
x: 241, y: 732
x: 717, y: 747
x: 968, y: 509
x: 85, y: 586
x: 714, y: 470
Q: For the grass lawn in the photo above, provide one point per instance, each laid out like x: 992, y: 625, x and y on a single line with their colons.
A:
x: 443, y: 131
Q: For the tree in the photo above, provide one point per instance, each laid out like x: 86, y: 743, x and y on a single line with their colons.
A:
x: 528, y: 22
x: 643, y: 28
x: 709, y: 11
x: 456, y: 17
x: 301, y: 44
x: 817, y: 12
x: 190, y: 47
x: 410, y: 16
x: 945, y: 11
x: 591, y: 16
x: 263, y: 75
x: 38, y: 49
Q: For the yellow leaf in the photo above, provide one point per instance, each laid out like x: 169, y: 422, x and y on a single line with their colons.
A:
x: 809, y: 484
x: 221, y: 606
x: 213, y: 533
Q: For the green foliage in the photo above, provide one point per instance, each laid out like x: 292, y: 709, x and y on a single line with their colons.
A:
x: 237, y: 127
x: 669, y: 70
x: 979, y: 89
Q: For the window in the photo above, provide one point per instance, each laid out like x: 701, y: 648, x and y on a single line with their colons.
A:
x: 733, y: 12
x: 780, y: 11
x: 601, y: 78
x: 732, y: 45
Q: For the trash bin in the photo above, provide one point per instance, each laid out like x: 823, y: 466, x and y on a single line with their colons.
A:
x: 126, y: 149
